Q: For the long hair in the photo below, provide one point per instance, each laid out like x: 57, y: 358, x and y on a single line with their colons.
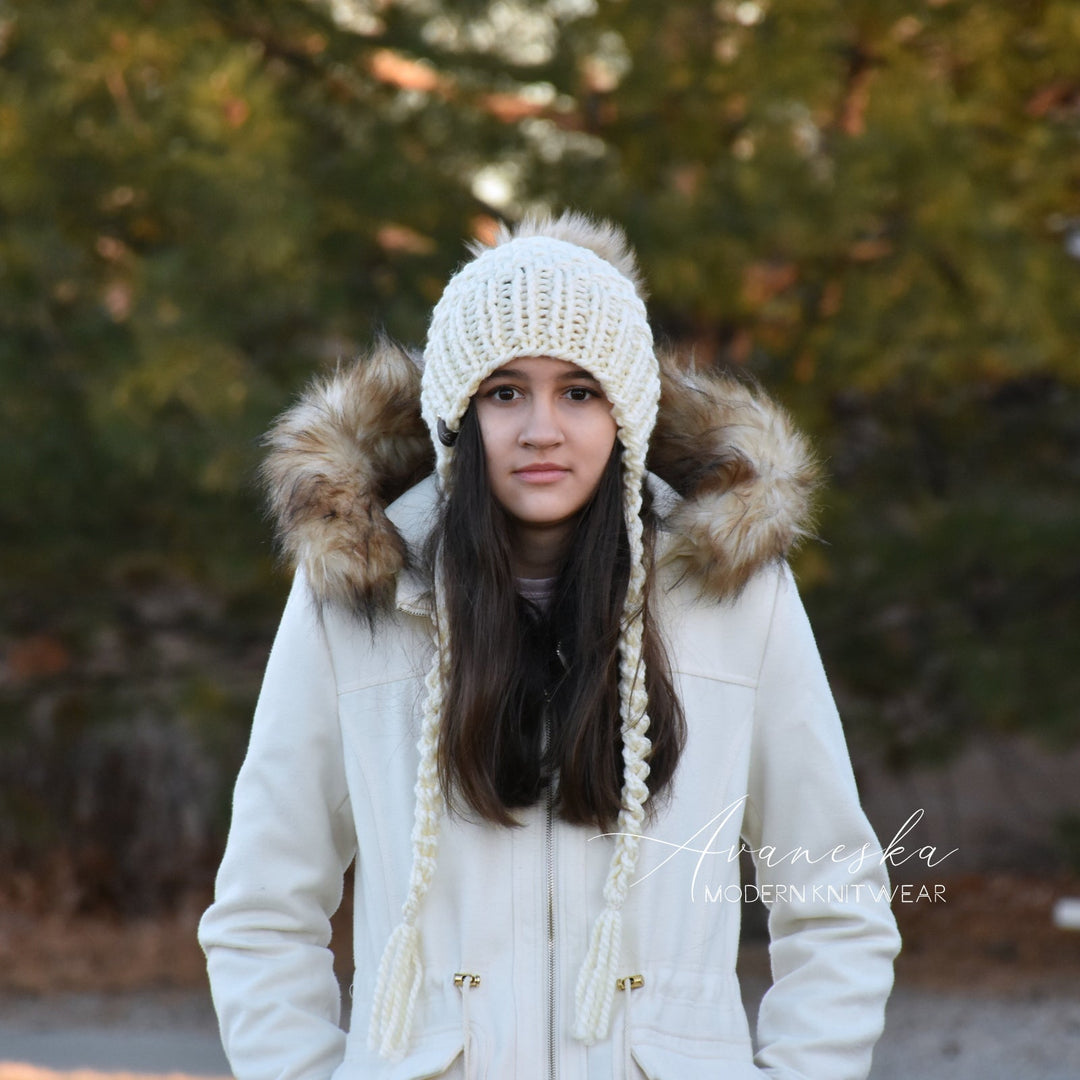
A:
x: 533, y: 697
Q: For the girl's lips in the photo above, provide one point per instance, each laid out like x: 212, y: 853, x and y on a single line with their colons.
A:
x: 541, y: 474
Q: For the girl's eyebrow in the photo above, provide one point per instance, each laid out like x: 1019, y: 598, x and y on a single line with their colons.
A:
x: 513, y: 373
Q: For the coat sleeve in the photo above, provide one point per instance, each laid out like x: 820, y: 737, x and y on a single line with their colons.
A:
x: 833, y: 937
x: 266, y: 935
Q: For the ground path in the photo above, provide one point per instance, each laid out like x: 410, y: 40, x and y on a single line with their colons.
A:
x: 987, y: 989
x: 930, y: 1035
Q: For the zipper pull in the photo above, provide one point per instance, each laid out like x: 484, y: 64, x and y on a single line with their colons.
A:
x: 630, y: 982
x: 465, y: 982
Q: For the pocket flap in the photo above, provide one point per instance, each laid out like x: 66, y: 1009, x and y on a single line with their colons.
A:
x: 664, y: 1063
x: 431, y: 1056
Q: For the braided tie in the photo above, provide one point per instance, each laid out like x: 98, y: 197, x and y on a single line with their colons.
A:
x: 401, y: 970
x: 595, y: 989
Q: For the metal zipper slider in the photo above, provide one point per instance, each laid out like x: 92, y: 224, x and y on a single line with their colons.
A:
x: 561, y: 656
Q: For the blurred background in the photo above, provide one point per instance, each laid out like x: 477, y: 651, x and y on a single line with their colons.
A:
x: 871, y: 206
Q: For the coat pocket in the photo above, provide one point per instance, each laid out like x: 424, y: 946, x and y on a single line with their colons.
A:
x: 435, y: 1057
x: 438, y: 1054
x: 664, y: 1062
x: 684, y: 1024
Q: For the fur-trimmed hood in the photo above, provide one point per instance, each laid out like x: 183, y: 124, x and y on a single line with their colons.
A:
x: 742, y: 477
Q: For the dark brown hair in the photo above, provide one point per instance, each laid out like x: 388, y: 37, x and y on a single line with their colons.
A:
x: 534, y: 696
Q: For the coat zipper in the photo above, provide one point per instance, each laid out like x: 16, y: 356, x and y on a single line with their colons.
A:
x: 549, y: 860
x: 549, y: 843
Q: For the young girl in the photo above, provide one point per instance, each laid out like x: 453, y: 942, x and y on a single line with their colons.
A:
x: 543, y: 696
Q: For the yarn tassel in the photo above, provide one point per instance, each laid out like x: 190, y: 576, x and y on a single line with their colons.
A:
x: 596, y: 980
x: 400, y: 973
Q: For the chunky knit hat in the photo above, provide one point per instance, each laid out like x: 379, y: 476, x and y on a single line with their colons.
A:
x: 566, y: 288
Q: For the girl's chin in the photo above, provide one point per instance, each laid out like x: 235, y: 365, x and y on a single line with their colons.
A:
x: 542, y: 518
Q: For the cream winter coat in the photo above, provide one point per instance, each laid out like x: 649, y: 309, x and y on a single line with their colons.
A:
x: 331, y: 768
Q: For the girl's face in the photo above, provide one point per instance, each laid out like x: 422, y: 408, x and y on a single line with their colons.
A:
x: 548, y: 433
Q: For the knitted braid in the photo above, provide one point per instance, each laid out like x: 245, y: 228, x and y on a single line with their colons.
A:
x: 401, y: 969
x: 595, y: 989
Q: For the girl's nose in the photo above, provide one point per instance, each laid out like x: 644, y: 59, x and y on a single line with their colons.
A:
x: 541, y: 427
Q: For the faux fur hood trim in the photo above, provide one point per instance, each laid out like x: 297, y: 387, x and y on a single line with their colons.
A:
x: 355, y: 442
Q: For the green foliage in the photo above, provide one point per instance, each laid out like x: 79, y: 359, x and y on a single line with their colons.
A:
x: 946, y: 595
x: 1067, y: 838
x: 869, y: 205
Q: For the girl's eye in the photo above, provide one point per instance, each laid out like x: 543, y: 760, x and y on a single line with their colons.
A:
x: 581, y: 393
x: 502, y: 393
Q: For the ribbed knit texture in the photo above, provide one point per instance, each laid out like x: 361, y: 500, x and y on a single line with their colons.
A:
x: 538, y: 591
x: 536, y: 295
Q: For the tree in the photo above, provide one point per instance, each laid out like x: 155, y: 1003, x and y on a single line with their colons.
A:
x: 874, y: 207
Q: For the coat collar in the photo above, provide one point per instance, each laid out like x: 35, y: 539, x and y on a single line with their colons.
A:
x: 411, y: 515
x: 349, y: 480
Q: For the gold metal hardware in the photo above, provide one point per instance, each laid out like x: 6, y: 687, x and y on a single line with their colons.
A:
x: 636, y: 982
x: 463, y: 978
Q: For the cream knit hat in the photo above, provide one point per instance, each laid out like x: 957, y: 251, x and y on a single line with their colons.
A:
x: 566, y: 288
x: 538, y: 294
